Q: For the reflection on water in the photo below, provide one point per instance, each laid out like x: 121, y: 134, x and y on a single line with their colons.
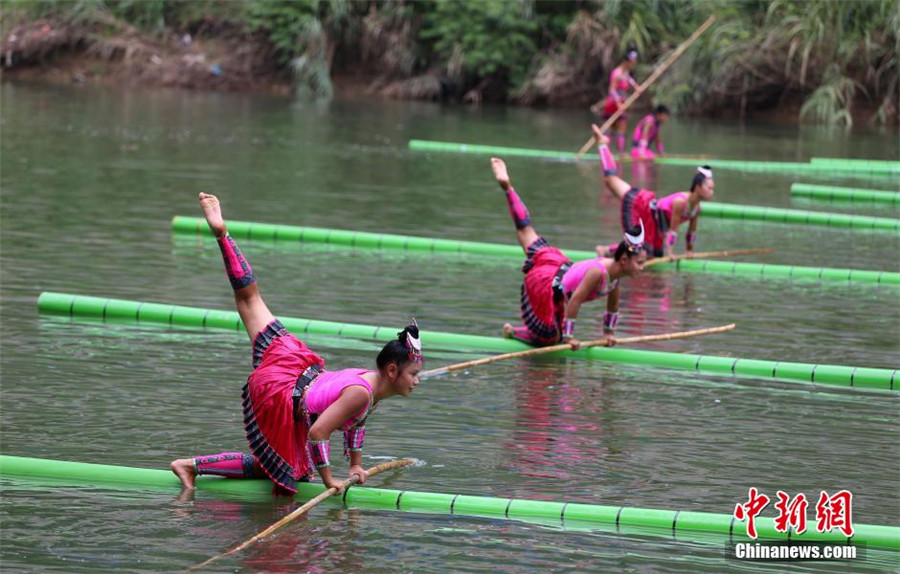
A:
x: 91, y: 179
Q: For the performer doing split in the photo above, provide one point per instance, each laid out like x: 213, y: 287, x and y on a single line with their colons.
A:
x: 291, y: 403
x: 555, y: 288
x: 660, y: 218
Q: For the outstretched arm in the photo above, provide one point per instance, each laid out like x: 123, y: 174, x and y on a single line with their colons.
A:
x: 611, y: 317
x: 589, y: 283
x: 612, y: 301
x: 352, y: 400
x: 672, y: 233
x: 691, y: 237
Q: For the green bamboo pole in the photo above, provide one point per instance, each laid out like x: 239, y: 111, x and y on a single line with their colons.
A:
x: 356, y: 239
x: 832, y: 193
x: 862, y: 162
x: 680, y: 524
x: 132, y: 312
x: 841, y: 169
x: 363, y: 240
x: 786, y: 271
x: 798, y: 217
x: 453, y: 147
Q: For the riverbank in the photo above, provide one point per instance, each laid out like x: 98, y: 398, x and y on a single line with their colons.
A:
x: 118, y: 54
x: 750, y: 66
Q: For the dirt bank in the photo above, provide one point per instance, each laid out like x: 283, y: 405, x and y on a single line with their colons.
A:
x: 116, y: 53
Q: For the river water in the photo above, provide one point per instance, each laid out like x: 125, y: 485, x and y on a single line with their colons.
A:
x: 91, y: 178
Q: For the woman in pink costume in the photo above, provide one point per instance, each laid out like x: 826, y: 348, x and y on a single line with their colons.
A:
x: 291, y: 403
x: 661, y: 218
x: 620, y: 81
x: 647, y: 132
x: 555, y: 288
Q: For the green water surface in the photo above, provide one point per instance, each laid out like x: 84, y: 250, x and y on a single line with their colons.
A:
x: 91, y: 178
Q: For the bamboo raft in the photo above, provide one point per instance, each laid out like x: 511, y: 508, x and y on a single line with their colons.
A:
x: 134, y: 312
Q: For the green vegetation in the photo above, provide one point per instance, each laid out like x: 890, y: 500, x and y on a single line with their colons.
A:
x: 832, y: 60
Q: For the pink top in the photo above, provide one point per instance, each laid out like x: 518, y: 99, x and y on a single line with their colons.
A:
x: 572, y: 279
x: 647, y: 129
x: 327, y: 387
x: 620, y: 80
x: 665, y: 205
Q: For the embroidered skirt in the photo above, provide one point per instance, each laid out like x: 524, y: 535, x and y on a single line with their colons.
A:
x: 543, y: 307
x: 276, y: 439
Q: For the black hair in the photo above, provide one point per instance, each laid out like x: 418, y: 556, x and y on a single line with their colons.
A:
x: 625, y: 57
x: 699, y: 178
x: 661, y: 109
x: 622, y: 249
x: 396, y: 351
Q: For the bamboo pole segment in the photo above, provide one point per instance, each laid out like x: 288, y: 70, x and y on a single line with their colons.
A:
x: 306, y: 508
x: 709, y: 255
x: 880, y: 173
x: 849, y: 161
x: 584, y: 345
x: 291, y: 234
x: 799, y: 216
x: 120, y: 311
x: 649, y: 81
x: 626, y: 157
x: 683, y: 524
x: 870, y: 171
x: 834, y: 193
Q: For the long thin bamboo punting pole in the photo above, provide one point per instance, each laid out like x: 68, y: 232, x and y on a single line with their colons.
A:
x: 657, y: 73
x: 709, y: 255
x: 306, y: 508
x: 564, y: 346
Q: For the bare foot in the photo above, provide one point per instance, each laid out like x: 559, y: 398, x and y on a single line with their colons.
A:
x: 500, y: 174
x: 598, y: 135
x: 212, y: 211
x: 184, y: 470
x: 603, y: 251
x: 507, y: 331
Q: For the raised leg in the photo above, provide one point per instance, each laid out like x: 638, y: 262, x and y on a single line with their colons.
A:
x: 621, y: 128
x: 250, y: 305
x: 525, y: 232
x: 615, y: 184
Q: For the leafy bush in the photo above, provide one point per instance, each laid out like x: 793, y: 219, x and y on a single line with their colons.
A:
x: 489, y: 38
